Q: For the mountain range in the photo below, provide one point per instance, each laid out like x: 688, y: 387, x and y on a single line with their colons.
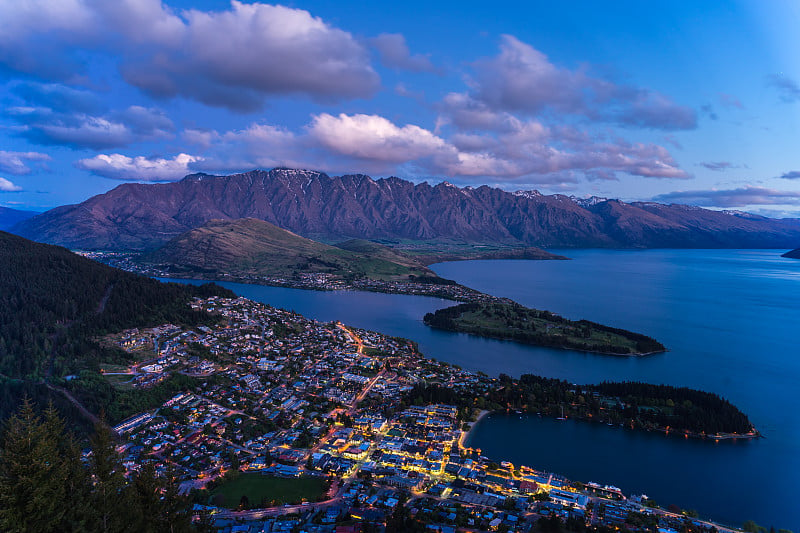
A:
x: 394, y: 211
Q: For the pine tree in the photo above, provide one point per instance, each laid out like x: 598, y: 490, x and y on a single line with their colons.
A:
x: 175, y: 514
x: 110, y: 496
x: 70, y: 475
x: 37, y: 462
x: 146, y: 500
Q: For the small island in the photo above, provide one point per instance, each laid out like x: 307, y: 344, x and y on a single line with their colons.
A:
x: 794, y: 254
x: 514, y: 322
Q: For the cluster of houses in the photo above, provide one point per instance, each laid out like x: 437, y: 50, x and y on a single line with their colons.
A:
x: 282, y: 396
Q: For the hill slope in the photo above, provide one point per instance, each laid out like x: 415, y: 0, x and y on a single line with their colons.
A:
x: 794, y: 254
x: 314, y: 205
x: 53, y: 301
x: 9, y: 217
x: 254, y: 247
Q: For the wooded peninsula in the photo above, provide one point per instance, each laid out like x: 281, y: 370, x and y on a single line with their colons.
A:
x: 514, y: 322
x: 677, y: 410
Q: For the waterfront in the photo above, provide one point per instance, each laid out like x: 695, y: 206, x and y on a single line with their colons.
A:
x: 729, y: 319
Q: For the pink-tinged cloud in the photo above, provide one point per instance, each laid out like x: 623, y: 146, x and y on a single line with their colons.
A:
x: 8, y: 186
x: 140, y: 168
x: 18, y: 163
x: 523, y: 79
x: 233, y: 58
x: 374, y: 137
x: 394, y: 53
x: 524, y: 149
x: 728, y: 100
x: 741, y: 197
x: 47, y: 126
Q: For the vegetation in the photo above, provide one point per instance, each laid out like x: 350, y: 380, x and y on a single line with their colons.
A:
x: 437, y: 251
x: 97, y: 394
x: 511, y: 321
x: 251, y: 247
x: 45, y: 487
x: 634, y: 522
x: 54, y: 304
x: 255, y: 490
x: 637, y: 405
x: 751, y: 527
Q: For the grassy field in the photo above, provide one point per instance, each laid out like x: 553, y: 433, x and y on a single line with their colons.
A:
x: 260, y: 488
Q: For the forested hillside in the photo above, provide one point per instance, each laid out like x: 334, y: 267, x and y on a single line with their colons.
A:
x: 53, y: 303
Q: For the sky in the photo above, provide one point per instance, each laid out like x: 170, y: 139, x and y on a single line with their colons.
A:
x: 669, y: 101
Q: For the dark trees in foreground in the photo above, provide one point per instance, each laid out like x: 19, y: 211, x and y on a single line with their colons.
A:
x: 46, y: 487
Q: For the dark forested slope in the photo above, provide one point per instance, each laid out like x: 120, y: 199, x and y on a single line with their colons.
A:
x: 53, y: 302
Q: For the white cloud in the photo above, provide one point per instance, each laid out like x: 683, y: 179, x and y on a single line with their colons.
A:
x: 7, y: 186
x: 523, y: 79
x: 394, y: 53
x: 374, y: 137
x: 140, y: 168
x: 522, y: 150
x: 48, y: 119
x: 232, y: 58
x: 741, y: 197
x: 17, y: 162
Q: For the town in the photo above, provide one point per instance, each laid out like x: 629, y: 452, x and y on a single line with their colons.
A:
x: 445, y: 289
x: 315, y: 418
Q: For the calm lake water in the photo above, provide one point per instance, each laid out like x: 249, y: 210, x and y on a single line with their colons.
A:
x: 730, y: 319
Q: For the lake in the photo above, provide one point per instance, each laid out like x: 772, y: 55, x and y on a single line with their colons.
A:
x: 730, y: 319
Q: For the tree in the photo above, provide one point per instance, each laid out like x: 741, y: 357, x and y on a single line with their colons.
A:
x: 751, y: 527
x: 44, y: 486
x: 36, y: 462
x: 109, y: 494
x: 146, y: 499
x: 174, y: 513
x: 72, y: 475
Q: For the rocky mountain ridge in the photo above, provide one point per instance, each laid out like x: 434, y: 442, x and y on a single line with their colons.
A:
x: 311, y: 204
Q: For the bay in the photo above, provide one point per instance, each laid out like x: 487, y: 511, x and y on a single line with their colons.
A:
x: 729, y: 318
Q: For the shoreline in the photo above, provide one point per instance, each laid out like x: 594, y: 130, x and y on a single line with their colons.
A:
x: 716, y: 437
x: 595, y: 352
x: 755, y: 434
x: 476, y: 296
x: 465, y: 434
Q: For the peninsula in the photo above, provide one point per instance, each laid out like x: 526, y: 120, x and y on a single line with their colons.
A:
x: 514, y: 322
x: 253, y: 251
x: 262, y: 415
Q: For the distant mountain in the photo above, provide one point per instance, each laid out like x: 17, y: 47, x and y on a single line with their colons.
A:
x: 392, y: 210
x: 253, y: 247
x: 794, y: 254
x: 9, y: 217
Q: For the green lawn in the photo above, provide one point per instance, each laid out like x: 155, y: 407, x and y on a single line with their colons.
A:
x: 258, y: 488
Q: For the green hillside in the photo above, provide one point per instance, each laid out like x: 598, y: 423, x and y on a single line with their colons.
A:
x: 253, y: 247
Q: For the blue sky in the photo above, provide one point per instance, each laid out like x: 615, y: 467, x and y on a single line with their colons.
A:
x: 689, y: 102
